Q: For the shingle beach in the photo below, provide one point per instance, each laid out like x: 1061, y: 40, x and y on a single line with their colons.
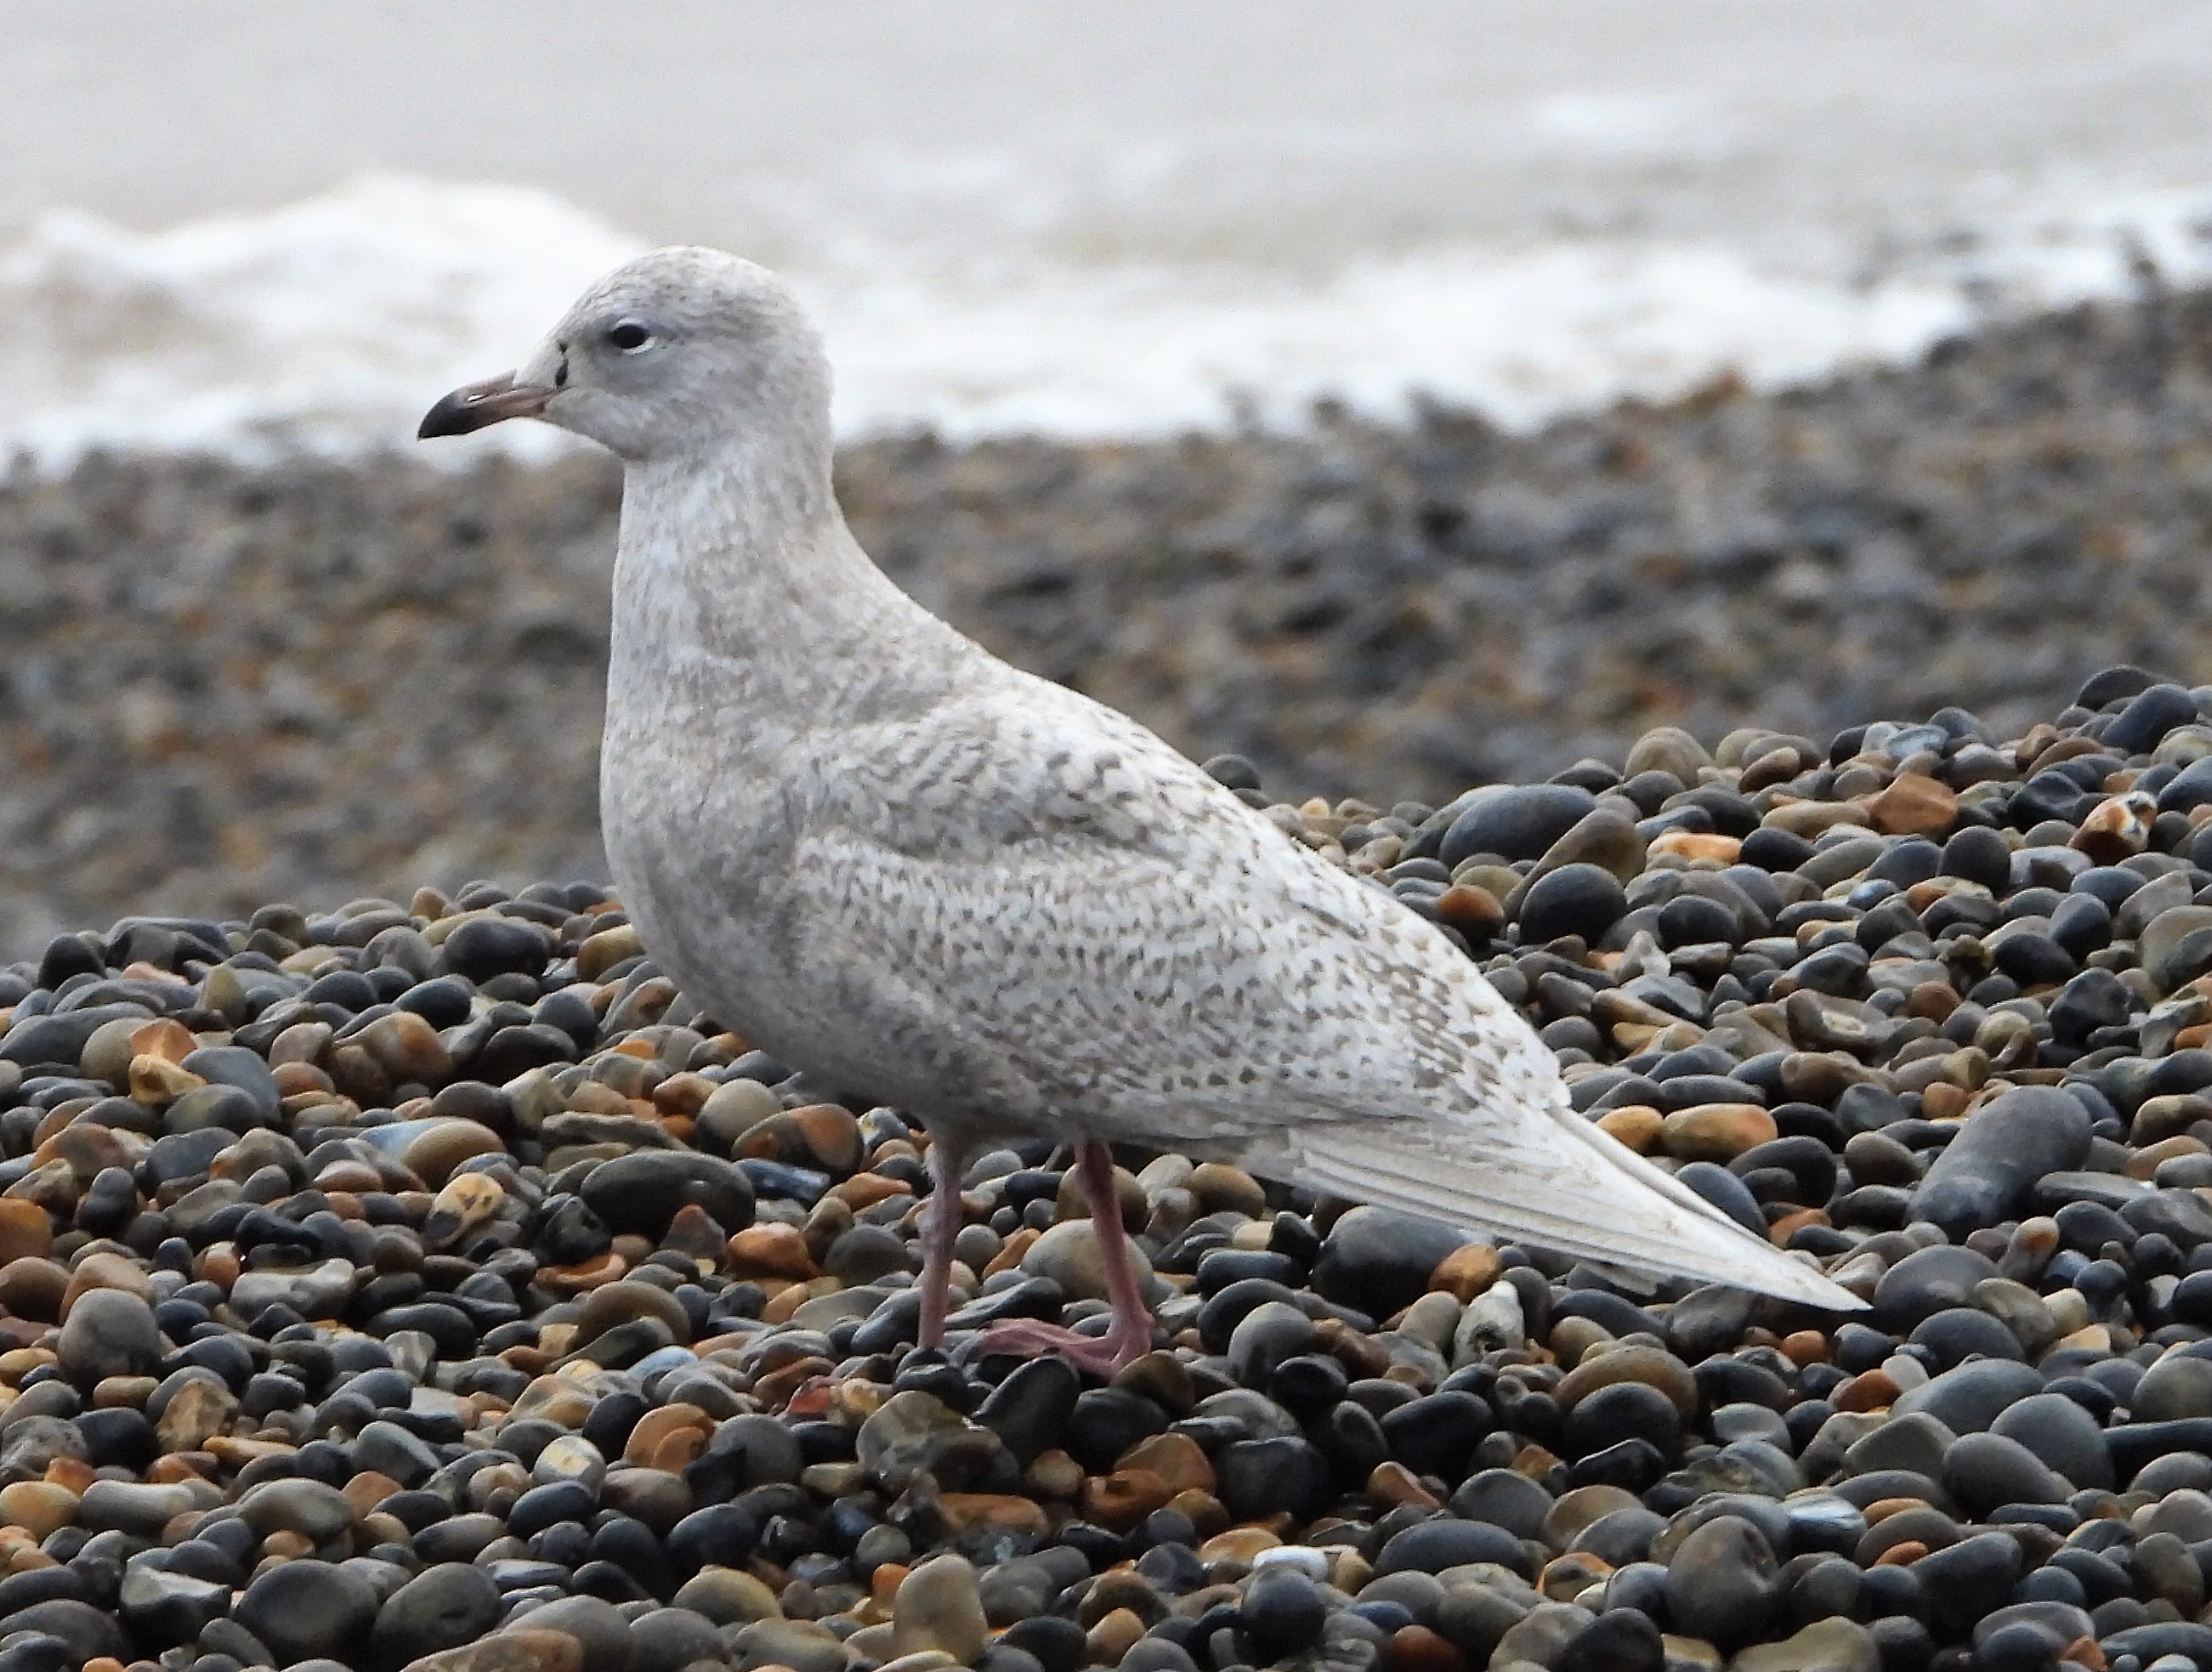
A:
x: 409, y: 1274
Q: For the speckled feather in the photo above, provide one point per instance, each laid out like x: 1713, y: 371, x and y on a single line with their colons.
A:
x: 894, y: 860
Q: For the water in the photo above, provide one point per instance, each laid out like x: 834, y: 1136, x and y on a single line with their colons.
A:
x: 253, y: 227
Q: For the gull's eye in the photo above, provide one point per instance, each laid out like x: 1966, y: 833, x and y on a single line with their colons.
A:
x: 629, y: 336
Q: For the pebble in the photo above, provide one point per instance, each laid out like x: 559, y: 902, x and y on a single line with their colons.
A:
x: 1619, y: 1640
x: 1826, y: 1645
x: 1516, y: 822
x: 936, y: 1607
x: 1282, y: 1612
x: 108, y: 1333
x: 1721, y: 1583
x: 2008, y: 1144
x: 1068, y: 1254
x: 1581, y: 900
x: 445, y: 1606
x: 307, y: 1608
x: 1380, y: 1260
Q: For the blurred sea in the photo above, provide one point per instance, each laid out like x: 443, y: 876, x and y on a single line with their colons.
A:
x: 252, y: 228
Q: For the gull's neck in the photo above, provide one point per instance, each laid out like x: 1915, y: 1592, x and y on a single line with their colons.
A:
x: 737, y: 585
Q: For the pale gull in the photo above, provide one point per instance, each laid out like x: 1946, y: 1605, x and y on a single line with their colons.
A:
x: 925, y: 876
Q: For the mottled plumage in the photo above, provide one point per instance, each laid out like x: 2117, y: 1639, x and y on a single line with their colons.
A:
x: 925, y: 875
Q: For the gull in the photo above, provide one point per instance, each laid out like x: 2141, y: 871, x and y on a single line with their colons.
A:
x: 927, y: 877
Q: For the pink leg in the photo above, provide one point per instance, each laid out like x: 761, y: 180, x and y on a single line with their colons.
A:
x: 940, y: 1229
x: 1131, y: 1336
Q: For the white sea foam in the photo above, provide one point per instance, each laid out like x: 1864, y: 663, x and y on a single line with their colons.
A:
x: 328, y: 325
x: 316, y: 328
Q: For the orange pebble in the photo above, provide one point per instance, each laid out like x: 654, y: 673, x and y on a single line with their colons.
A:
x: 1805, y: 1347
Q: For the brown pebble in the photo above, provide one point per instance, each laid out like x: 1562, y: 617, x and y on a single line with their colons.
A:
x: 1206, y: 1514
x: 197, y: 1410
x: 619, y: 1303
x: 1119, y: 1501
x: 1011, y: 1251
x: 1466, y: 1272
x: 1805, y: 1347
x: 1393, y: 1484
x: 1810, y: 819
x: 600, y: 953
x: 1236, y: 1546
x: 1566, y: 1577
x: 1695, y: 845
x: 589, y: 1274
x: 105, y: 1271
x: 1716, y: 1131
x: 1869, y: 1390
x: 1637, y: 1125
x: 31, y: 1287
x: 1882, y: 1508
x: 1220, y: 1188
x: 1932, y: 1002
x: 90, y: 1150
x: 771, y: 1249
x: 1418, y: 1649
x: 407, y: 1049
x: 517, y: 1649
x: 1944, y: 1101
x: 37, y: 1506
x: 1782, y: 1230
x: 1001, y: 1514
x: 433, y: 1154
x: 658, y: 1424
x: 1654, y: 1366
x: 786, y: 1301
x: 1176, y: 1459
x: 17, y: 1363
x: 169, y: 1040
x: 2144, y: 1163
x: 1535, y: 1462
x: 1161, y: 1377
x: 678, y: 1451
x: 866, y: 1190
x: 366, y: 1490
x: 1465, y: 906
x: 2117, y: 828
x: 157, y: 1082
x: 1913, y: 804
x: 1113, y: 1637
x: 2168, y: 1115
x: 354, y: 1176
x: 466, y: 1201
x: 26, y: 1231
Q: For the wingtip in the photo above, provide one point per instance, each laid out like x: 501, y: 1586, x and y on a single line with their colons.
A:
x: 1808, y: 1286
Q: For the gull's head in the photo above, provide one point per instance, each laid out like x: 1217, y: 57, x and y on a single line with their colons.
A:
x: 673, y: 355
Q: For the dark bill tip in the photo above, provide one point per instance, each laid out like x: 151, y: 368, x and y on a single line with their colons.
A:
x: 477, y: 405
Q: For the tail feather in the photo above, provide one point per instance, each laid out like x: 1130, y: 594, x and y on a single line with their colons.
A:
x: 1564, y: 1185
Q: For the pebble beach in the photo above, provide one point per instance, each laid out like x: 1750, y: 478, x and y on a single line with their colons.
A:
x: 399, y: 1271
x: 224, y: 686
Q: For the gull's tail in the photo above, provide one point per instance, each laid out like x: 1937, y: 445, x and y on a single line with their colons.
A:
x: 1553, y: 1179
